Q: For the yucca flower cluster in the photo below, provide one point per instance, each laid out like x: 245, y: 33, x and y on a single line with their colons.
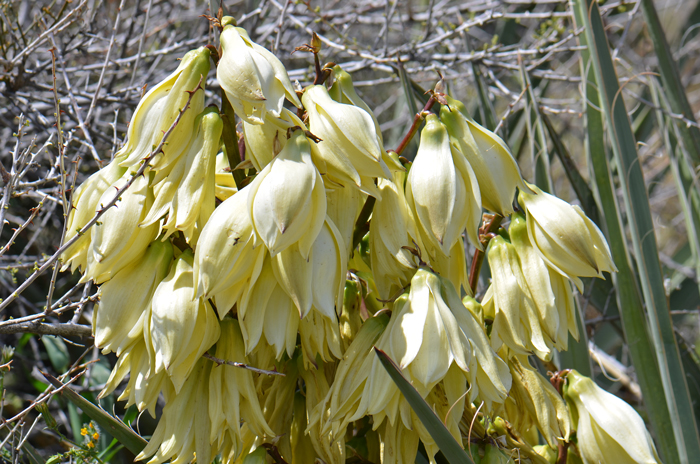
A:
x: 209, y: 289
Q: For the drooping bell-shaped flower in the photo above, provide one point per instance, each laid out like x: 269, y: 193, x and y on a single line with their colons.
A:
x: 85, y: 200
x: 287, y: 200
x: 566, y: 238
x: 534, y: 401
x: 495, y: 168
x: 181, y: 327
x: 608, y: 429
x: 160, y: 107
x: 343, y: 91
x: 343, y: 398
x: 232, y: 397
x: 438, y: 345
x: 185, y: 427
x: 126, y: 298
x: 349, y: 151
x: 117, y: 238
x: 144, y: 386
x: 442, y: 191
x: 392, y: 228
x: 225, y: 256
x: 255, y: 81
x: 187, y: 194
x: 508, y: 301
x: 343, y: 206
x: 550, y: 291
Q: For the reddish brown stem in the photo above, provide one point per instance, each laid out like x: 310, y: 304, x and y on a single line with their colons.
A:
x: 414, y: 127
x: 491, y: 224
x: 563, y: 452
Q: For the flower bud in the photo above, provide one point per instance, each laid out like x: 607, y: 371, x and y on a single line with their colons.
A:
x: 442, y: 191
x: 567, y: 240
x: 117, y: 239
x: 126, y: 298
x: 607, y: 428
x: 349, y: 151
x: 508, y: 298
x: 85, y: 201
x: 255, y: 81
x: 160, y: 107
x: 182, y: 327
x: 494, y: 166
x: 287, y: 200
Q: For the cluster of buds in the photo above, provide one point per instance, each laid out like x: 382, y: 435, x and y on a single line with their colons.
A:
x: 202, y: 278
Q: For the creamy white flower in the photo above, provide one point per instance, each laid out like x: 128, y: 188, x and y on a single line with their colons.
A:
x: 349, y: 151
x: 225, y: 255
x: 287, y: 200
x: 181, y: 327
x: 158, y: 110
x: 117, y: 238
x: 117, y: 321
x: 264, y: 141
x: 567, y: 240
x: 85, y: 202
x: 496, y: 170
x: 187, y: 194
x: 508, y: 301
x: 608, y: 429
x: 442, y: 191
x: 255, y: 81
